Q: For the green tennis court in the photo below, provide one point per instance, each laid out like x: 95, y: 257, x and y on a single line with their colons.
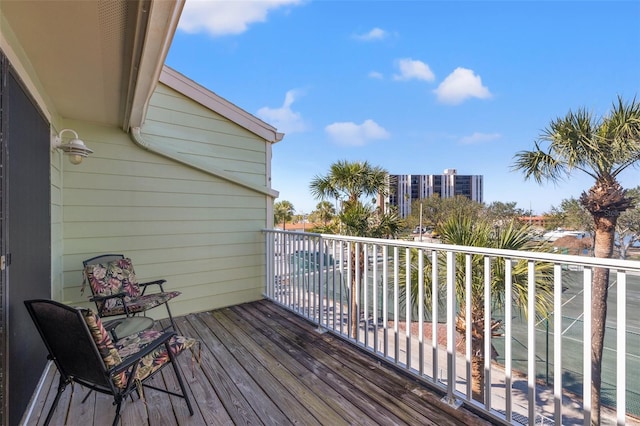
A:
x: 572, y: 341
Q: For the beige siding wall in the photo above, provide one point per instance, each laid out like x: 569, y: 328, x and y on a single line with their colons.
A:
x: 199, y: 232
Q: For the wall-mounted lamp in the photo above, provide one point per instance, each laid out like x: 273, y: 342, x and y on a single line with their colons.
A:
x: 75, y: 148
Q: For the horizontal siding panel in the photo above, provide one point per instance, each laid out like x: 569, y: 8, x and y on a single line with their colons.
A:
x: 200, y: 125
x: 117, y: 214
x: 139, y: 169
x: 153, y: 227
x: 153, y: 184
x: 152, y: 258
x: 107, y: 197
x: 128, y: 153
x: 185, y: 136
x: 208, y: 148
x: 254, y: 172
x: 79, y: 245
x: 173, y: 100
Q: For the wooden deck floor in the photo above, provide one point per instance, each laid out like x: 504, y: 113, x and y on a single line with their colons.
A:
x: 261, y: 364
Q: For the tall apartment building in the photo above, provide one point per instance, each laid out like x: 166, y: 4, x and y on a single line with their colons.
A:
x: 404, y: 189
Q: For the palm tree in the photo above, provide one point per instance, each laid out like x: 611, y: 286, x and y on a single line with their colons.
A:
x: 325, y: 211
x: 472, y: 231
x: 602, y: 148
x: 348, y: 182
x: 283, y: 212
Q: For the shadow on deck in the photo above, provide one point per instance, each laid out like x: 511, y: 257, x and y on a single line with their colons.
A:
x: 261, y: 364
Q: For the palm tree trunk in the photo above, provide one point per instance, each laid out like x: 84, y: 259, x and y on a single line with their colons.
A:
x: 477, y: 369
x: 603, y: 248
x: 477, y: 348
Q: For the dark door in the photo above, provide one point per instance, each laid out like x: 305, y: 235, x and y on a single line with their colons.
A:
x: 26, y: 239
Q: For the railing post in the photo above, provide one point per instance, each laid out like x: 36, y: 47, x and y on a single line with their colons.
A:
x: 586, y: 350
x: 434, y: 314
x: 385, y: 298
x: 321, y: 302
x: 621, y: 349
x: 557, y: 342
x: 508, y: 335
x: 531, y: 340
x: 451, y: 338
x: 487, y: 332
x: 421, y: 301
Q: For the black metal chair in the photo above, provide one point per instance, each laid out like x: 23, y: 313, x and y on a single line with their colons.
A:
x: 116, y: 291
x: 84, y: 353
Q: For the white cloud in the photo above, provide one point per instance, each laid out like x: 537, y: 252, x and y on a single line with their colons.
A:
x: 222, y: 17
x: 478, y: 137
x: 374, y: 34
x: 460, y: 85
x: 413, y: 70
x: 284, y: 118
x: 352, y: 134
x: 375, y: 74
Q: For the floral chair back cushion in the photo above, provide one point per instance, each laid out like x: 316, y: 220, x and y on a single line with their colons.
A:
x: 105, y: 345
x: 113, y: 277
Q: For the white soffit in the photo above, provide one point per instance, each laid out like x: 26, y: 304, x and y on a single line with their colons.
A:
x: 88, y: 56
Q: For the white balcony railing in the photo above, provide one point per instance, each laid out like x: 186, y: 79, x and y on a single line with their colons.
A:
x: 541, y: 373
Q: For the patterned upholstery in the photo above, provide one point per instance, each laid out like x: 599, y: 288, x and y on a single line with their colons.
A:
x: 84, y: 352
x: 117, y: 277
x: 113, y: 353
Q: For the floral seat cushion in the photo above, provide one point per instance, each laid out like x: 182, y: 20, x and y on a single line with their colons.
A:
x: 114, y: 353
x: 118, y: 277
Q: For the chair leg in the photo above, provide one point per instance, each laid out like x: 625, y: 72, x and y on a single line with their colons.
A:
x: 87, y: 396
x: 61, y: 387
x: 172, y: 357
x: 117, y: 417
x: 173, y: 324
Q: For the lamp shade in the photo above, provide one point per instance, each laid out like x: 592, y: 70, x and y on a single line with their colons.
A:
x: 75, y: 148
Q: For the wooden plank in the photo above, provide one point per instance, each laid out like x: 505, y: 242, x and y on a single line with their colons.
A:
x: 80, y: 412
x: 257, y: 398
x: 390, y: 380
x: 277, y: 393
x: 40, y: 405
x: 104, y: 410
x: 60, y: 414
x: 204, y: 400
x: 159, y: 409
x: 302, y: 383
x: 132, y: 412
x: 180, y: 408
x: 221, y: 379
x: 364, y: 396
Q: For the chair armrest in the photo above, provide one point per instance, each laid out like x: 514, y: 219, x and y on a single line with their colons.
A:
x: 156, y: 282
x: 111, y: 296
x: 120, y: 295
x: 152, y: 346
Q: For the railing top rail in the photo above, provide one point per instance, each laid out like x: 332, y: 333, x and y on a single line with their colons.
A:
x: 619, y: 264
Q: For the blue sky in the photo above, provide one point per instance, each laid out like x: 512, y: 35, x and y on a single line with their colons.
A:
x: 415, y: 87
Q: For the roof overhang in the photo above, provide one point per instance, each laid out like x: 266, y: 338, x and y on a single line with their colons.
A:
x: 95, y: 61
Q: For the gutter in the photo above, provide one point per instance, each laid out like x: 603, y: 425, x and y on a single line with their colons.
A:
x: 138, y: 139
